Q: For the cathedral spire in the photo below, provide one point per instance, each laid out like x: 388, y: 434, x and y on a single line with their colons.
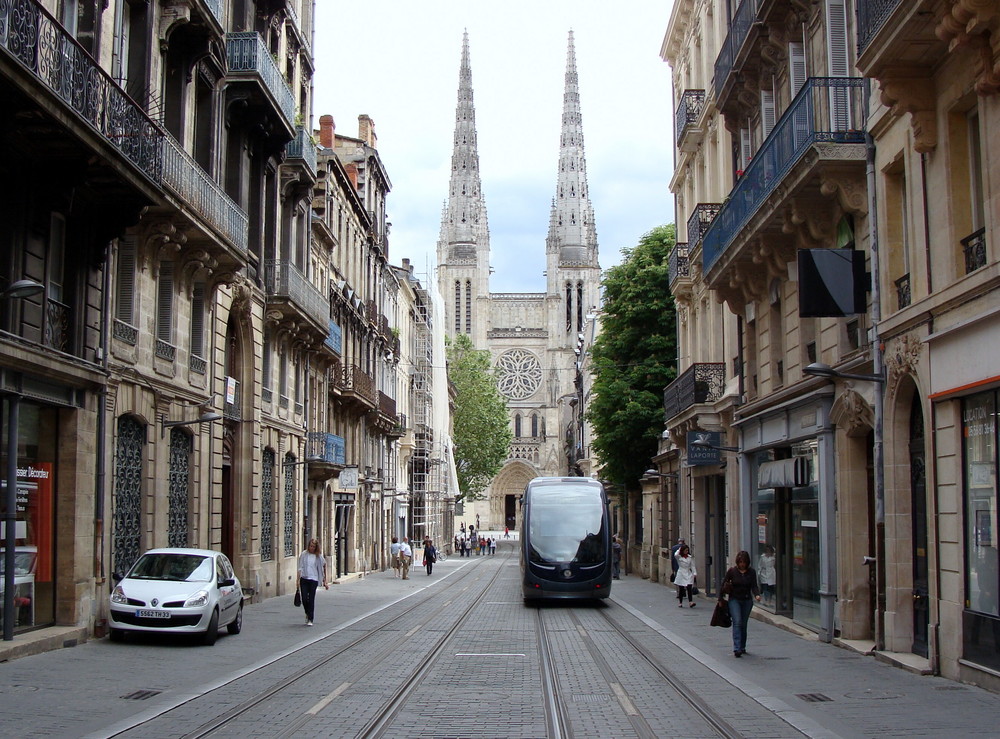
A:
x: 464, y: 230
x: 572, y: 233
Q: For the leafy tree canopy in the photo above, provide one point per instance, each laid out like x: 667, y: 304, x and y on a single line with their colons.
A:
x: 481, y: 430
x: 634, y: 358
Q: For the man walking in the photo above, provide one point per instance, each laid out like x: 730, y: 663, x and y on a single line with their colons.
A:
x: 405, y: 557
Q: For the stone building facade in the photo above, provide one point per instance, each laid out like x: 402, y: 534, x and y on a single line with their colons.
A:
x: 532, y: 337
x: 868, y: 480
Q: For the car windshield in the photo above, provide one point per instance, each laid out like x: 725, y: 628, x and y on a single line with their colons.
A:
x: 173, y: 566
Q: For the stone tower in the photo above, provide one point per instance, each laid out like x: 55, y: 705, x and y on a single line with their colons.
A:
x: 531, y: 337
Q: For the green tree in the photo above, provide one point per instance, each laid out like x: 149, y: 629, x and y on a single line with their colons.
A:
x: 481, y: 431
x: 634, y: 358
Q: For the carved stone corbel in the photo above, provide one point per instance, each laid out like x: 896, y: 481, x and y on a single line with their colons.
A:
x: 903, y: 356
x: 851, y: 192
x: 852, y: 412
x: 907, y: 90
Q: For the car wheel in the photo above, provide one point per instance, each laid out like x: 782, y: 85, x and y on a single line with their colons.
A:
x: 116, y: 635
x: 212, y: 633
x: 236, y: 625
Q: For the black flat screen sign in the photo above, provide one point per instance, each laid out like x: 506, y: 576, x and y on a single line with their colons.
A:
x: 832, y: 283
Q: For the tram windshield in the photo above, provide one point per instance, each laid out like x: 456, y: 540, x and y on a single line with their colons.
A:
x: 566, y: 524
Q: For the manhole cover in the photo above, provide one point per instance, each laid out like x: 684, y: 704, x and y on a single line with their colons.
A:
x: 873, y: 695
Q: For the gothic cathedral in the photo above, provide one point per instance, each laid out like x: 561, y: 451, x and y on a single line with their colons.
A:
x: 532, y: 337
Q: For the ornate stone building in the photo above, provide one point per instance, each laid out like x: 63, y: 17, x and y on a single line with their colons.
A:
x: 532, y: 337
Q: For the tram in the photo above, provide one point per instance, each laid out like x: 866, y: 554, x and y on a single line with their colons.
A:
x: 565, y: 539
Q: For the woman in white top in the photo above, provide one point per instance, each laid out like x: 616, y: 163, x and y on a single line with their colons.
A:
x: 312, y: 571
x: 686, y: 576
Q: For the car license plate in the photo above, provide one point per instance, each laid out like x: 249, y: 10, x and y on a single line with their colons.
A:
x: 152, y: 614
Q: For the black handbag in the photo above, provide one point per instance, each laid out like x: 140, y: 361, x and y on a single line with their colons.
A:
x: 298, y: 599
x: 694, y: 590
x: 721, y: 616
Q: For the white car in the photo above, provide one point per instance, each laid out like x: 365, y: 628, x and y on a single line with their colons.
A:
x: 178, y: 591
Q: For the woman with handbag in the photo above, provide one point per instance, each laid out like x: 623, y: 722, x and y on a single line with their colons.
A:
x: 312, y: 571
x: 740, y: 584
x: 430, y: 555
x: 685, y: 577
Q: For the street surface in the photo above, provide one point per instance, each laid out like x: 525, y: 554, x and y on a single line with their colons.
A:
x: 458, y: 654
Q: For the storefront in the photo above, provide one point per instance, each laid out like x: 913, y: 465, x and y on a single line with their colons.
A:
x: 981, y: 616
x: 789, y: 509
x: 35, y: 438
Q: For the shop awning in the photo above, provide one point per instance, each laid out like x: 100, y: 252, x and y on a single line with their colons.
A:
x: 784, y: 473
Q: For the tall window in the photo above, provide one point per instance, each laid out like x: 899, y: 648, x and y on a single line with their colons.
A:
x: 458, y: 307
x: 125, y: 282
x: 178, y: 488
x: 978, y: 198
x: 534, y: 425
x: 468, y: 307
x: 579, y: 306
x: 198, y: 320
x: 569, y: 307
x: 267, y: 506
x: 165, y: 303
x: 517, y: 424
x: 289, y: 505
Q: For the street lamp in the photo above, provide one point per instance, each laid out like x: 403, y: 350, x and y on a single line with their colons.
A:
x: 818, y: 369
x: 15, y: 291
x: 702, y: 444
x: 204, y: 418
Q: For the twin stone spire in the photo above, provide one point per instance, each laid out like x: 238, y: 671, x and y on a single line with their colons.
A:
x: 465, y: 237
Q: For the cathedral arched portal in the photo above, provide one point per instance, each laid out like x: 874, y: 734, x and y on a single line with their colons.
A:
x: 506, y: 491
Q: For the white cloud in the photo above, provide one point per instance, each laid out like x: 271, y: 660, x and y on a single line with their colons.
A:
x: 398, y: 62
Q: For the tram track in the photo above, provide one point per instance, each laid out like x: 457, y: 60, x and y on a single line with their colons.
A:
x: 244, y: 707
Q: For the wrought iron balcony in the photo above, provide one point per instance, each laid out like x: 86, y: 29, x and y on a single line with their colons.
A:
x: 192, y: 184
x: 702, y: 382
x: 386, y: 405
x: 827, y: 110
x: 974, y: 249
x: 359, y: 383
x: 677, y: 263
x: 248, y: 57
x: 739, y: 29
x: 215, y: 8
x: 301, y: 149
x: 284, y: 281
x: 234, y: 410
x: 36, y: 40
x: 327, y: 447
x: 872, y: 16
x: 699, y: 221
x: 688, y: 112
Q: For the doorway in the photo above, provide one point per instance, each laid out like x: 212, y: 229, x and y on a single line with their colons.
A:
x: 716, y: 536
x: 918, y: 490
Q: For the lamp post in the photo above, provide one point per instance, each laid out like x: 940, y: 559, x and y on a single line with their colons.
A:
x: 818, y: 369
x: 15, y: 291
x: 204, y: 418
x: 709, y: 445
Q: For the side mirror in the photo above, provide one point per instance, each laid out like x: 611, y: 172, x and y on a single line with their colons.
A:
x: 227, y: 583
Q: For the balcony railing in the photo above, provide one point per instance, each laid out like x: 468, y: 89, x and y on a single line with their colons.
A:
x: 301, y: 148
x: 284, y: 280
x: 688, y: 112
x: 699, y: 221
x: 356, y: 381
x: 247, y: 54
x: 677, y: 263
x: 743, y: 21
x: 974, y: 249
x: 872, y: 15
x: 703, y: 382
x: 37, y: 41
x: 185, y: 177
x: 827, y: 109
x: 386, y: 405
x: 329, y: 448
x: 215, y: 8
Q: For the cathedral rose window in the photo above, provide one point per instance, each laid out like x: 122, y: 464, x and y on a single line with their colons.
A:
x: 518, y: 374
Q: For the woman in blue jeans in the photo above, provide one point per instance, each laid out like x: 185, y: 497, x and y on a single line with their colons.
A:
x: 740, y: 584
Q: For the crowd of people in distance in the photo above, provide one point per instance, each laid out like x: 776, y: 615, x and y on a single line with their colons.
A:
x: 466, y: 545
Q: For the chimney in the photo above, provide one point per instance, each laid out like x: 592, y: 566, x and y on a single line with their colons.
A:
x: 352, y: 173
x: 327, y: 129
x: 366, y: 130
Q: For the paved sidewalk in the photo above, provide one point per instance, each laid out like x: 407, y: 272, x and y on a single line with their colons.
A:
x: 821, y: 689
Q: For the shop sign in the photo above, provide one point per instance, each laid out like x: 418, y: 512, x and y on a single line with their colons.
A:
x: 349, y: 478
x: 698, y: 456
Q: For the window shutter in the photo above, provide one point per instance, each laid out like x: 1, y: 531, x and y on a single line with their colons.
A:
x: 125, y: 282
x: 746, y: 148
x: 766, y: 112
x: 198, y: 320
x: 836, y: 37
x: 796, y: 66
x: 165, y: 303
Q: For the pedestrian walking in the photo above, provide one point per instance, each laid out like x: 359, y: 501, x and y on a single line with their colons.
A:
x: 506, y: 532
x: 673, y: 558
x: 312, y: 572
x: 430, y: 555
x: 616, y: 557
x: 686, y: 576
x: 394, y: 556
x: 493, y: 545
x: 405, y: 557
x: 740, y: 584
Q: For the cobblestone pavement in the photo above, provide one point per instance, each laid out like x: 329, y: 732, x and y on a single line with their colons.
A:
x: 100, y: 688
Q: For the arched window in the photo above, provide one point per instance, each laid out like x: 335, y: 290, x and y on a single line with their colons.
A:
x: 534, y: 425
x: 517, y: 424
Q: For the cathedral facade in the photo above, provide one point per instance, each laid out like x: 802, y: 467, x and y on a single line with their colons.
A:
x: 533, y: 338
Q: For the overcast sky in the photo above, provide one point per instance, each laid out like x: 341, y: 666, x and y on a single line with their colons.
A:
x: 398, y: 62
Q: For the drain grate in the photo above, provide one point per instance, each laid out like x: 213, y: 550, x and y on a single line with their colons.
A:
x: 141, y: 695
x: 813, y: 697
x: 592, y: 698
